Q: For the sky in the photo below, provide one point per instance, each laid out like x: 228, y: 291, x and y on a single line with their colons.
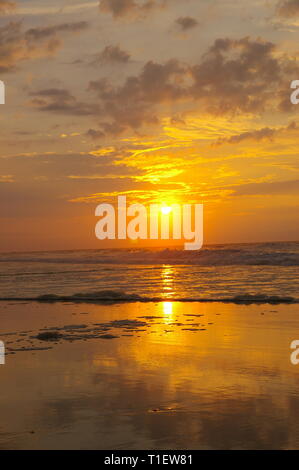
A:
x: 161, y: 100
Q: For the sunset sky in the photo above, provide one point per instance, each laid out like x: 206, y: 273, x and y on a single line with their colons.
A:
x: 165, y: 101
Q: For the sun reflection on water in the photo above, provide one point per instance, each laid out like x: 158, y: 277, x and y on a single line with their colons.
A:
x: 168, y: 308
x: 167, y: 286
x: 167, y: 280
x: 168, y: 313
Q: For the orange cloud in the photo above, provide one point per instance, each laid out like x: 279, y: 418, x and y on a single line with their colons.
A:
x: 17, y: 45
x: 6, y: 6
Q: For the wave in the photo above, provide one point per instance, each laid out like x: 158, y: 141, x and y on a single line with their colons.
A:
x: 259, y: 254
x: 118, y: 296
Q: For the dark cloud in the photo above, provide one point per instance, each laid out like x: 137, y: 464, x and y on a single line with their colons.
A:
x: 256, y: 135
x: 130, y: 8
x: 111, y: 54
x: 288, y: 8
x: 6, y: 6
x: 114, y: 128
x: 17, y: 45
x: 63, y: 102
x: 95, y: 134
x: 130, y: 104
x: 186, y: 22
x: 118, y: 7
x: 37, y: 34
x: 155, y: 84
x: 241, y: 75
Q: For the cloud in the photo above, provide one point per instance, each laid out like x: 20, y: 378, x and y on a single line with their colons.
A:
x: 112, y: 129
x: 62, y: 101
x: 6, y: 6
x: 288, y: 8
x: 256, y: 135
x: 17, y: 45
x: 186, y: 22
x: 242, y: 75
x: 38, y: 34
x: 234, y: 76
x: 130, y: 104
x: 155, y: 84
x: 95, y: 134
x: 130, y: 8
x: 111, y: 54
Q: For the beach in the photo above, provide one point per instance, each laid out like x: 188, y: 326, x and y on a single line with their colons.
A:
x: 150, y: 349
x: 149, y: 375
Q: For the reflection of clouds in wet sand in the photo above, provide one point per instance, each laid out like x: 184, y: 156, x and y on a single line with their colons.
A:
x: 230, y: 386
x: 121, y: 412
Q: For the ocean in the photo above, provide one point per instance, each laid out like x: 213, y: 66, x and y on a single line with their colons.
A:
x: 239, y: 272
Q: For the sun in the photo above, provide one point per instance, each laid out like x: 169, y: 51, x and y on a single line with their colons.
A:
x: 166, y: 210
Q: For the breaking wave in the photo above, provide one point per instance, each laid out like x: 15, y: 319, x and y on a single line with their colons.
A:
x: 118, y: 296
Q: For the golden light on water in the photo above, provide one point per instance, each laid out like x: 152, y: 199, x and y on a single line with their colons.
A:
x: 167, y: 275
x: 166, y: 210
x: 167, y: 308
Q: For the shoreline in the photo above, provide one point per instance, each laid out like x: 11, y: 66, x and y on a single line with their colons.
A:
x: 78, y: 298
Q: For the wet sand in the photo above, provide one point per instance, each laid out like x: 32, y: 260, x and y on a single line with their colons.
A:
x: 148, y: 376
